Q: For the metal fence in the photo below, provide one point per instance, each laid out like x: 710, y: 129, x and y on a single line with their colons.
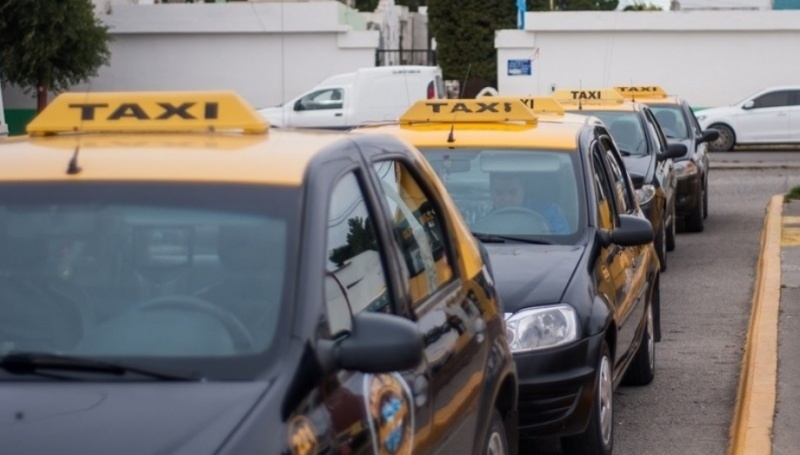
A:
x: 388, y: 57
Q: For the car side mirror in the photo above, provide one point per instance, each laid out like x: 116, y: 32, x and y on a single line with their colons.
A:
x: 298, y: 106
x: 380, y: 343
x: 749, y: 104
x: 636, y: 179
x: 674, y: 150
x: 709, y: 135
x: 632, y: 231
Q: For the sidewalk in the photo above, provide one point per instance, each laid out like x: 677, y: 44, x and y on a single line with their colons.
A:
x: 767, y: 412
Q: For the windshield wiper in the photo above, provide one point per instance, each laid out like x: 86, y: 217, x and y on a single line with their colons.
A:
x: 494, y: 238
x: 37, y: 363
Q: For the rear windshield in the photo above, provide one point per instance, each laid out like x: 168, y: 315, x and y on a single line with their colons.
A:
x: 191, y: 276
x: 532, y: 194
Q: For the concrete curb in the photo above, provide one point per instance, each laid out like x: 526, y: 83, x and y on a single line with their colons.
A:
x: 738, y: 166
x: 751, y: 428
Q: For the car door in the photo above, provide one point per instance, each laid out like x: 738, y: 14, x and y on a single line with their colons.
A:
x: 324, y: 108
x: 634, y: 257
x: 765, y: 118
x: 794, y: 116
x: 614, y: 262
x: 447, y: 313
x: 369, y: 413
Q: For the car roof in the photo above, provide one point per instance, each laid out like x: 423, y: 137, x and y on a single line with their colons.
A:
x: 522, y: 128
x: 132, y: 151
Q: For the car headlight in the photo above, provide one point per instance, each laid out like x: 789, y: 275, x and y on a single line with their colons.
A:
x: 685, y: 168
x: 645, y: 194
x: 542, y: 327
x: 700, y: 117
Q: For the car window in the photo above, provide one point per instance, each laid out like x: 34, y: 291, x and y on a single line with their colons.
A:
x: 671, y: 120
x: 626, y: 129
x: 773, y: 99
x: 655, y: 130
x: 419, y: 230
x: 693, y: 119
x: 624, y: 198
x: 354, y: 273
x: 604, y: 188
x: 322, y: 99
x: 513, y: 192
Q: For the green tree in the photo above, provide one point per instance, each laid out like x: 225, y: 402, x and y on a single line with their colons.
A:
x: 642, y: 7
x: 572, y: 5
x: 50, y: 45
x: 366, y: 6
x: 360, y: 238
x: 464, y: 32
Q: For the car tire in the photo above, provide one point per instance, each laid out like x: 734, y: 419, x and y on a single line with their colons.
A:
x: 694, y: 221
x: 598, y: 438
x: 496, y: 439
x: 642, y: 369
x: 655, y: 300
x: 660, y: 243
x: 705, y: 201
x: 671, y: 232
x: 726, y: 139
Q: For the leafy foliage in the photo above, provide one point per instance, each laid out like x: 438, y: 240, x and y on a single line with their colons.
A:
x: 643, y: 7
x: 50, y: 45
x: 572, y: 5
x: 793, y: 194
x: 464, y: 32
x: 360, y: 238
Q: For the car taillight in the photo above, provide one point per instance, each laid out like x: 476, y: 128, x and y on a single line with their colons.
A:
x: 431, y: 91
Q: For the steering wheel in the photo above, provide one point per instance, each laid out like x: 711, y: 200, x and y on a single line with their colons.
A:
x: 242, y: 340
x: 538, y: 222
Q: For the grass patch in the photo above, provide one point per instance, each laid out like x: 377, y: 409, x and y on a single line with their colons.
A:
x: 793, y: 194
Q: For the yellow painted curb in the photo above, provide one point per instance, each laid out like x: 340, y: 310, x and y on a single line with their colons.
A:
x: 751, y: 428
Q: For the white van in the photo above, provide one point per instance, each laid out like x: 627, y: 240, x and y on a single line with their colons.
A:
x: 366, y: 95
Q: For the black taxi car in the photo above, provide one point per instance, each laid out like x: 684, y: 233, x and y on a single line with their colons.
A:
x: 646, y: 152
x: 178, y: 279
x: 572, y: 252
x: 679, y: 124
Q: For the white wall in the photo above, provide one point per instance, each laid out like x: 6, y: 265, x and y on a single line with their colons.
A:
x: 708, y: 57
x: 268, y: 52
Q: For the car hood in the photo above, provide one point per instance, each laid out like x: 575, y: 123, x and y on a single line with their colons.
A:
x: 707, y: 116
x: 530, y: 275
x: 639, y: 164
x: 274, y: 115
x: 119, y: 418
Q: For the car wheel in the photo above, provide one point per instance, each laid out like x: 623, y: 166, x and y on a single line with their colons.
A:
x: 598, y: 438
x: 655, y: 300
x: 661, y: 246
x: 671, y: 232
x: 725, y: 141
x: 496, y: 440
x: 694, y: 222
x: 642, y: 369
x: 705, y: 201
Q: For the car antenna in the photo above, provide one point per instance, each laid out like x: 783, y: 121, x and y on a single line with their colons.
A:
x: 73, y: 168
x: 580, y: 101
x: 450, y: 137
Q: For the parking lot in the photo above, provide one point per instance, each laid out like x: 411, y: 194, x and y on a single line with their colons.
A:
x: 706, y: 297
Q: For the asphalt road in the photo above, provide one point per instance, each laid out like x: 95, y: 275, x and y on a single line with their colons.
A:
x: 706, y: 297
x: 753, y: 157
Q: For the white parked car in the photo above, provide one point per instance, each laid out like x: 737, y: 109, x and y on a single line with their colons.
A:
x: 771, y: 116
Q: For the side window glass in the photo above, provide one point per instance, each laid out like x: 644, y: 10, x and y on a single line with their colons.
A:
x: 418, y: 228
x: 773, y: 99
x: 655, y: 131
x: 795, y: 98
x: 603, y: 187
x: 624, y: 198
x: 354, y: 276
x: 693, y: 119
x: 320, y: 100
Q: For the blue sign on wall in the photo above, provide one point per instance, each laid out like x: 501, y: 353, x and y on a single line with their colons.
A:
x: 519, y: 67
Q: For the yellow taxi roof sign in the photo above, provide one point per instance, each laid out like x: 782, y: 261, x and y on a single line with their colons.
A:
x: 147, y: 112
x: 482, y: 110
x: 537, y: 104
x: 588, y: 96
x: 635, y: 92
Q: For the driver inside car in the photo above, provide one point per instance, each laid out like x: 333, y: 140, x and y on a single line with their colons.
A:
x: 508, y: 190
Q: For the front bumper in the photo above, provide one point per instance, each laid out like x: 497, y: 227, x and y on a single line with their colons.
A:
x: 687, y: 194
x: 556, y: 388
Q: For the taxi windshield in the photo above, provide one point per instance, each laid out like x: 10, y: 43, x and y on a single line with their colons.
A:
x: 188, y: 276
x: 529, y: 194
x: 625, y: 128
x: 670, y: 119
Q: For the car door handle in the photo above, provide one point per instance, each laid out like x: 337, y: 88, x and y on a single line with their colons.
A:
x: 338, y: 114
